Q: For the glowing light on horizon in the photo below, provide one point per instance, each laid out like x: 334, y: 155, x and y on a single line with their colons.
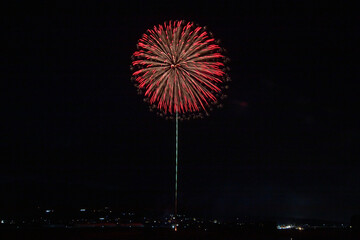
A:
x: 282, y: 227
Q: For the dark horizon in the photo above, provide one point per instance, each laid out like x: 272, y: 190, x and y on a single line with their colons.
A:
x: 76, y: 134
x: 23, y: 217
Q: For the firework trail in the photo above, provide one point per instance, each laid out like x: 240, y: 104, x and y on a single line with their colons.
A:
x: 180, y: 67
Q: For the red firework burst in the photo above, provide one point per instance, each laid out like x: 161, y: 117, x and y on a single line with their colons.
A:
x: 180, y: 67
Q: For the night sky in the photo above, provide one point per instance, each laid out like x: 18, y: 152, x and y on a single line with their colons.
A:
x: 74, y: 132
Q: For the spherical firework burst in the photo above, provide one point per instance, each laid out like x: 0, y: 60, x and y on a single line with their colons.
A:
x: 180, y: 69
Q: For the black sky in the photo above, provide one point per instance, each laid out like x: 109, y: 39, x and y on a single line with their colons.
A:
x: 75, y: 133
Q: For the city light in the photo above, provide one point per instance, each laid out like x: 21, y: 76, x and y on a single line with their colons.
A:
x: 282, y: 227
x: 88, y: 218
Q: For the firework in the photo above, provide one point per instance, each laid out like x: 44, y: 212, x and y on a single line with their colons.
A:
x: 179, y: 67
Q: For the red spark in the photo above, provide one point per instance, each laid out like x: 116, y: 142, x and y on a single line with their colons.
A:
x: 180, y: 67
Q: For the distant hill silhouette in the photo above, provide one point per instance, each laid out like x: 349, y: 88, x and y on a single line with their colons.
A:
x: 355, y: 223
